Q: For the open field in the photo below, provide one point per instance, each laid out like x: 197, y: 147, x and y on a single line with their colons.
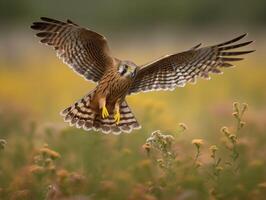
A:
x: 44, y: 158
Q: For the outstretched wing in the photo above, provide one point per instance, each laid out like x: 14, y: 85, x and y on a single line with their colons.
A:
x: 83, y: 50
x: 176, y: 70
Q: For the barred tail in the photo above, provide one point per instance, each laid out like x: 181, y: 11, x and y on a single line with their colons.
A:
x: 127, y: 122
x: 82, y: 115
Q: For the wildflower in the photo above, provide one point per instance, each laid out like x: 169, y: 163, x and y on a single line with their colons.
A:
x: 2, y: 144
x: 62, y: 174
x: 147, y: 147
x: 182, y: 126
x: 225, y: 131
x: 169, y: 139
x: 213, y: 149
x: 76, y: 178
x: 233, y: 138
x: 235, y: 114
x: 245, y: 107
x: 48, y: 152
x: 156, y: 133
x: 236, y: 106
x: 36, y: 169
x: 242, y: 124
x: 198, y: 142
x: 160, y: 163
x: 219, y: 169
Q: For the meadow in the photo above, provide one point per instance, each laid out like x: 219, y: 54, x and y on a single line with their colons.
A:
x: 204, y: 141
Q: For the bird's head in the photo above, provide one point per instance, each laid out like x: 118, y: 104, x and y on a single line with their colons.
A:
x: 127, y: 69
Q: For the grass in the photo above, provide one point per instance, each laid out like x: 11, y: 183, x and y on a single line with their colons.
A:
x: 93, y: 166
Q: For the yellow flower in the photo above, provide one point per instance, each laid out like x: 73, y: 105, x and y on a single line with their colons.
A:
x: 62, y: 174
x: 146, y: 146
x: 36, y: 169
x: 198, y: 142
x: 213, y: 148
x: 50, y: 153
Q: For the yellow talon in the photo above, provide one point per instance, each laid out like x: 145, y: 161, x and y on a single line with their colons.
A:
x: 104, y: 112
x: 117, y: 117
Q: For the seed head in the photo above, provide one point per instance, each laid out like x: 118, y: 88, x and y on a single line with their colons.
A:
x: 235, y: 115
x: 2, y: 144
x: 225, y: 131
x: 156, y: 133
x: 236, y: 106
x: 242, y: 124
x: 169, y: 139
x: 213, y: 148
x: 245, y: 107
x: 219, y: 168
x: 233, y: 138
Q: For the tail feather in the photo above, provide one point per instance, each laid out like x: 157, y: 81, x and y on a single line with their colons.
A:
x: 80, y: 114
x: 83, y: 116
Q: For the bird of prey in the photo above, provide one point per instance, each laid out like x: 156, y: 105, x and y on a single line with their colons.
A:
x: 105, y: 108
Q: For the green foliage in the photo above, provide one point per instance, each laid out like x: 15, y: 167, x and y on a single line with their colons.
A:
x: 127, y: 15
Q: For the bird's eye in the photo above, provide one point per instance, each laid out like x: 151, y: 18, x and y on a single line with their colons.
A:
x: 124, y: 71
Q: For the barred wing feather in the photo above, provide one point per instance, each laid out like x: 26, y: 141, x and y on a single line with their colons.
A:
x: 178, y: 69
x: 83, y: 50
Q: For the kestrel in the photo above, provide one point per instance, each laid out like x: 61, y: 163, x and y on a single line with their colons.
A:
x: 105, y: 108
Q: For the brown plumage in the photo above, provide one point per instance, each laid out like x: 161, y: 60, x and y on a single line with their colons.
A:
x: 105, y: 109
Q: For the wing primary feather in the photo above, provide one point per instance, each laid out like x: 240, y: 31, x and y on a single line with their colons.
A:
x: 236, y: 53
x: 46, y: 19
x: 195, y: 47
x: 235, y: 46
x: 233, y: 40
x: 225, y: 59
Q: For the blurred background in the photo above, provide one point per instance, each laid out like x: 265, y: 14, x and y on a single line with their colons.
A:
x: 35, y: 86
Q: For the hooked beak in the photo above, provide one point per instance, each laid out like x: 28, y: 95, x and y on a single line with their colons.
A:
x: 132, y: 71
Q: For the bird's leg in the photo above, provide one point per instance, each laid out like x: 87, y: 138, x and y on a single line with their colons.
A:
x: 102, y: 105
x: 117, y: 112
